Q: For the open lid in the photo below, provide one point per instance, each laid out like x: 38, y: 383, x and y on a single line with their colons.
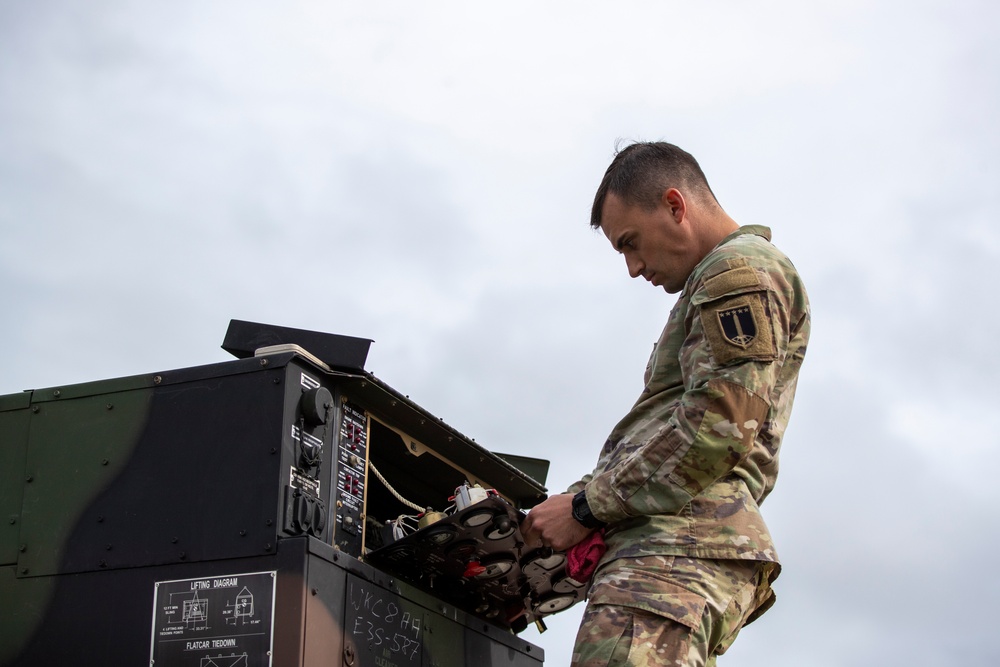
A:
x: 243, y: 339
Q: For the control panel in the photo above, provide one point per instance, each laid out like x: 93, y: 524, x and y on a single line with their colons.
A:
x: 351, y: 479
x: 476, y: 558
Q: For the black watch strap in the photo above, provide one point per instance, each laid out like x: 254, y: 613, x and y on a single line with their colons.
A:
x: 582, y: 513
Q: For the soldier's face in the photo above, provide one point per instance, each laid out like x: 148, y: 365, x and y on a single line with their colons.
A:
x: 657, y: 244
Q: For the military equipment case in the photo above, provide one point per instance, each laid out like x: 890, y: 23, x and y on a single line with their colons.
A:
x: 216, y: 516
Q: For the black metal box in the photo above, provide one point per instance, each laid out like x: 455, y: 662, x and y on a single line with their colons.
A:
x: 124, y: 502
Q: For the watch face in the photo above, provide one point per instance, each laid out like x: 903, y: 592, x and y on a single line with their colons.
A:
x: 582, y: 513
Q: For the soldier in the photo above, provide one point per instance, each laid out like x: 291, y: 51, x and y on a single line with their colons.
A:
x: 678, y: 483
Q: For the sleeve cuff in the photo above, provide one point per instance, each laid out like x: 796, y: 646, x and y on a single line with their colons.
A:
x: 604, y: 503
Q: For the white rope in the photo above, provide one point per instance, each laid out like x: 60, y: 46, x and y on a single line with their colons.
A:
x: 412, y: 506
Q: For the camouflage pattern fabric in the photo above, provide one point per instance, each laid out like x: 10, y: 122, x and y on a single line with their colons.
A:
x: 669, y: 610
x: 683, y: 473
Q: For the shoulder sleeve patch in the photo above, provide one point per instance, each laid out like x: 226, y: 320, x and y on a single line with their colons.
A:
x: 733, y: 279
x: 739, y: 328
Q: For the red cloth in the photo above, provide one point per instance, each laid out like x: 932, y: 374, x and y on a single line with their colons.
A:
x: 473, y: 569
x: 581, y: 559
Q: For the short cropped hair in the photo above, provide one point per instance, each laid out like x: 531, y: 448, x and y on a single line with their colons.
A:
x: 641, y: 172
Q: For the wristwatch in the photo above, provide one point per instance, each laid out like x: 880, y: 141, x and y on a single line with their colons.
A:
x: 582, y: 513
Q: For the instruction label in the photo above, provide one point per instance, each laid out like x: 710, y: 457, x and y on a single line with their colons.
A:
x: 226, y: 621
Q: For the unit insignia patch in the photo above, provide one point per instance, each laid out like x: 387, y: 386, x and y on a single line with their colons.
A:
x: 738, y: 325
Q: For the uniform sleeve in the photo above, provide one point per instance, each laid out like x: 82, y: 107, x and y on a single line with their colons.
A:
x: 735, y: 331
x: 602, y: 462
x: 577, y: 487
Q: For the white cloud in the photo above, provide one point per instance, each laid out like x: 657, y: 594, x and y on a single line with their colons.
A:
x: 956, y: 432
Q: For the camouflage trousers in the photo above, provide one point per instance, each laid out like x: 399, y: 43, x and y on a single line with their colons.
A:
x: 667, y: 610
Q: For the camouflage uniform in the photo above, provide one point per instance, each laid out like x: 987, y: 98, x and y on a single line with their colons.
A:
x: 668, y: 610
x: 680, y: 478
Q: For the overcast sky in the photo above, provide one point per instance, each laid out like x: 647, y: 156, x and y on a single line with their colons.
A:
x: 420, y: 173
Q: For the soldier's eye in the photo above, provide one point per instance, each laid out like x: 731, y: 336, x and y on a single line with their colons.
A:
x: 625, y: 243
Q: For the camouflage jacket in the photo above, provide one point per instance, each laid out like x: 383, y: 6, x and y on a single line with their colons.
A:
x: 684, y: 472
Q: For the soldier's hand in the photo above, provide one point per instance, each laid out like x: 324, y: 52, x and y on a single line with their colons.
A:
x: 551, y: 524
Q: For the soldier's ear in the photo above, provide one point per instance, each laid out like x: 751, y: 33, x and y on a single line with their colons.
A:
x: 673, y: 201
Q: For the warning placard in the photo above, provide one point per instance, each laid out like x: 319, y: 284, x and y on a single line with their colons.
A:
x: 223, y: 621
